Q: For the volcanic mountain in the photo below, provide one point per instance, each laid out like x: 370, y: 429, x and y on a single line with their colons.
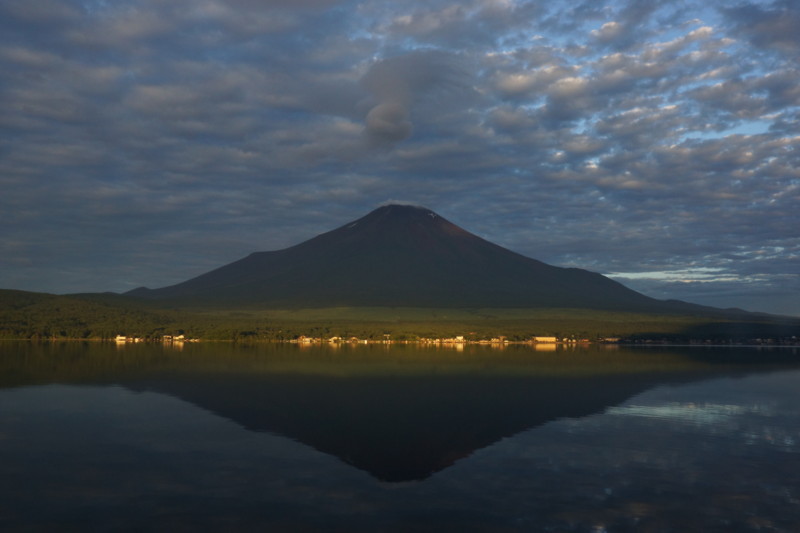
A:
x: 400, y: 255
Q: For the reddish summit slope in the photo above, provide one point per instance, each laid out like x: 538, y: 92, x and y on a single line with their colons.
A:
x: 401, y: 255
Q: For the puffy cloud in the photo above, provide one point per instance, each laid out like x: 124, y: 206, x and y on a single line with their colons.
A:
x: 459, y: 25
x: 608, y: 32
x: 146, y: 141
x: 772, y: 25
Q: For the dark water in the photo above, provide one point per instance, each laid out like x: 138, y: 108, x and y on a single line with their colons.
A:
x: 214, y: 437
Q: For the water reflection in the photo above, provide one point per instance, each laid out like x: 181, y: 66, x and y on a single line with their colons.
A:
x: 689, y: 413
x: 575, y: 440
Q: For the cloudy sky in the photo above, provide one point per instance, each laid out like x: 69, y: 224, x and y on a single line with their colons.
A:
x: 143, y: 142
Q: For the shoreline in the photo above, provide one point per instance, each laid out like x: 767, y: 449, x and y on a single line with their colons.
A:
x: 752, y: 343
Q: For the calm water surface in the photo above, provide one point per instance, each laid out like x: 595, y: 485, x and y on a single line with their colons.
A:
x: 216, y: 437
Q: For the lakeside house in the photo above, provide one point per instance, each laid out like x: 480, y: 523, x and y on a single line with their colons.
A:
x: 123, y: 338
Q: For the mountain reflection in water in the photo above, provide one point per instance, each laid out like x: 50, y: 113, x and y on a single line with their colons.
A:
x: 400, y: 414
x: 398, y: 428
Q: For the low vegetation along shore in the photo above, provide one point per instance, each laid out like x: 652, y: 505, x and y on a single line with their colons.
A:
x: 25, y: 315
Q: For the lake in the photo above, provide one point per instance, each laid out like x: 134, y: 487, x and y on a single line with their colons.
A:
x: 211, y: 437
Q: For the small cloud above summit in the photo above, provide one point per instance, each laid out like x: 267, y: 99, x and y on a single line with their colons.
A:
x: 397, y: 84
x: 388, y: 123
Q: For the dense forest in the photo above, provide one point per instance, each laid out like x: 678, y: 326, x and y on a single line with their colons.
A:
x: 26, y: 315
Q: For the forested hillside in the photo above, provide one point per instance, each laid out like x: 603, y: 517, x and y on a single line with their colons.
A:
x: 28, y: 315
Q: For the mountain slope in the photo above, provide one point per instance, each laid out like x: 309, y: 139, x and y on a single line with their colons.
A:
x: 401, y: 255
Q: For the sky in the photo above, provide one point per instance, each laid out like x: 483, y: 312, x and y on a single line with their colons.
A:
x: 144, y: 142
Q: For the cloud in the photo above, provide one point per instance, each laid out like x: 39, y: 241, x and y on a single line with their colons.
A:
x: 399, y: 83
x: 146, y: 141
x: 772, y: 25
x: 388, y: 123
x: 458, y: 25
x: 608, y: 32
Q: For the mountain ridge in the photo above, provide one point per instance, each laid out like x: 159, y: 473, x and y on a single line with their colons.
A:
x: 404, y: 256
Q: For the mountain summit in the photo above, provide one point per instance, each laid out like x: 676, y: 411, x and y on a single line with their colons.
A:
x: 401, y: 255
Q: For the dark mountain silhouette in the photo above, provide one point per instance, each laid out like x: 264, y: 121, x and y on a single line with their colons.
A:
x: 401, y: 255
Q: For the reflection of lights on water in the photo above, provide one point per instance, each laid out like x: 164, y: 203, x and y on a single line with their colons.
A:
x: 545, y: 347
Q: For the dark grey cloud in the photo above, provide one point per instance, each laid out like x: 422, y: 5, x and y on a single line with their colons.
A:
x: 144, y: 141
x: 771, y: 25
x: 398, y: 84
